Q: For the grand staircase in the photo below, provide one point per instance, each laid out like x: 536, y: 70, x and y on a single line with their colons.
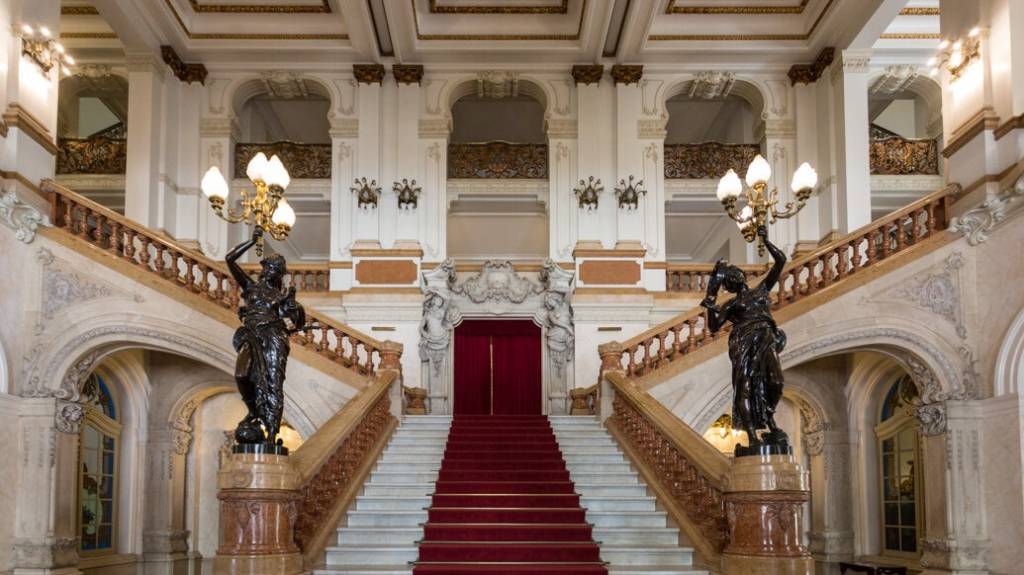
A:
x: 500, y: 495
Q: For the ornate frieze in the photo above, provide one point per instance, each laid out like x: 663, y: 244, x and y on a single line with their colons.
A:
x: 23, y: 218
x: 303, y: 161
x: 892, y: 154
x: 707, y: 160
x: 285, y: 84
x: 368, y: 73
x: 95, y: 155
x: 498, y: 160
x: 627, y: 74
x: 497, y: 281
x: 407, y: 73
x: 584, y: 74
x: 494, y: 84
x: 628, y: 193
x: 809, y: 73
x: 711, y: 84
x: 588, y: 192
x: 187, y: 73
x: 895, y: 79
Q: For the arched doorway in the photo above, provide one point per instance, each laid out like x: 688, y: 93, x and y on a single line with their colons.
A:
x: 498, y: 369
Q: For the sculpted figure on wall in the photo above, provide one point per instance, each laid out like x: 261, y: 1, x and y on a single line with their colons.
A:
x: 439, y: 319
x: 559, y: 330
x: 269, y: 315
x: 754, y: 345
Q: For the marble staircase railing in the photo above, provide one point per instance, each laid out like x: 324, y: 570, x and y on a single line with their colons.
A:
x: 307, y: 278
x: 693, y: 278
x: 202, y: 280
x: 809, y: 280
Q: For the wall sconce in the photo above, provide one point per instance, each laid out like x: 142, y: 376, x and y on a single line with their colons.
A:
x: 39, y: 45
x: 587, y: 193
x: 367, y: 193
x: 956, y: 55
x: 408, y: 194
x: 629, y: 194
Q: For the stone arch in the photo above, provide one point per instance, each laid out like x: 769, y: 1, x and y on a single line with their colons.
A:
x: 109, y: 84
x: 247, y: 89
x: 748, y: 89
x: 469, y: 85
x: 180, y: 416
x: 924, y: 88
x: 1009, y: 369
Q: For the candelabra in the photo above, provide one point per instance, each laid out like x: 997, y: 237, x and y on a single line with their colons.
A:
x: 39, y: 45
x: 956, y: 55
x: 761, y: 206
x: 265, y: 208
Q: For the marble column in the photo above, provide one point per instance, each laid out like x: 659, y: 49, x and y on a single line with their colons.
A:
x: 145, y: 138
x: 164, y: 538
x: 831, y: 533
x: 852, y: 168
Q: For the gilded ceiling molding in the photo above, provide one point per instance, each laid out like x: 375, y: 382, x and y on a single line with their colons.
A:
x: 919, y: 12
x: 323, y: 8
x: 244, y: 35
x: 584, y: 74
x: 408, y: 73
x: 626, y: 74
x: 436, y: 8
x: 743, y: 37
x: 421, y: 36
x: 910, y: 36
x: 88, y: 36
x: 187, y: 73
x: 368, y: 73
x: 809, y: 73
x: 673, y: 9
x: 79, y: 11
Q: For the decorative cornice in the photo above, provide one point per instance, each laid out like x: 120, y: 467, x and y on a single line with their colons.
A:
x: 745, y: 37
x: 985, y: 119
x: 407, y: 73
x: 910, y: 36
x: 809, y: 73
x: 434, y: 128
x: 474, y: 37
x: 18, y: 117
x: 78, y: 11
x: 587, y: 74
x: 627, y: 74
x: 759, y: 10
x: 187, y: 73
x: 562, y: 128
x: 1014, y: 123
x: 436, y: 8
x: 368, y: 73
x: 323, y: 8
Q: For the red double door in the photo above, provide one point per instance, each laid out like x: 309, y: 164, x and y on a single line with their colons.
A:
x: 497, y: 368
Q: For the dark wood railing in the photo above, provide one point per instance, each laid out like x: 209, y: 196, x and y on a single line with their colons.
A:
x: 707, y: 160
x: 497, y: 160
x: 303, y: 161
x: 197, y: 274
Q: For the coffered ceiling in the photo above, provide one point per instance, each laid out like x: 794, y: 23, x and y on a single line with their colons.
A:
x: 530, y: 32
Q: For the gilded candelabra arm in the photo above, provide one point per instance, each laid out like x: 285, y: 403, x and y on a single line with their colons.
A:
x: 229, y: 215
x: 792, y: 208
x: 730, y: 208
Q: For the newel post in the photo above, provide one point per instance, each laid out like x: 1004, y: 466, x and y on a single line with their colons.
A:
x: 391, y: 360
x: 611, y: 360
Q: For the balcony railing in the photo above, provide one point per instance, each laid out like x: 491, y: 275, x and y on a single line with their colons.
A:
x: 497, y: 160
x: 707, y: 160
x: 101, y: 154
x: 897, y: 156
x: 303, y: 161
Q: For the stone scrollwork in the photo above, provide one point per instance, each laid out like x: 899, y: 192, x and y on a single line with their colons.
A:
x: 23, y: 218
x: 977, y: 223
x: 497, y: 281
x: 628, y: 193
x: 69, y: 414
x: 588, y: 192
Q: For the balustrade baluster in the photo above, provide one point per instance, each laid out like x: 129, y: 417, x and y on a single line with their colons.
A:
x: 143, y: 252
x: 795, y: 292
x: 97, y: 232
x: 872, y: 251
x: 353, y: 359
x: 691, y: 338
x: 159, y: 262
x: 324, y: 342
x: 218, y: 290
x: 900, y: 235
x: 204, y: 279
x: 83, y: 225
x: 369, y: 359
x: 190, y: 274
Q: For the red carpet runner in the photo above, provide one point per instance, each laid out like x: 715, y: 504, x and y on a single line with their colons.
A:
x: 504, y: 504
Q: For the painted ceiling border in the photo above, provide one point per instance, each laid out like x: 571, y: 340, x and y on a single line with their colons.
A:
x: 421, y: 36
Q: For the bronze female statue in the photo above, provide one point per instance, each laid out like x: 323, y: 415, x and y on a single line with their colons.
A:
x: 269, y: 314
x: 754, y: 346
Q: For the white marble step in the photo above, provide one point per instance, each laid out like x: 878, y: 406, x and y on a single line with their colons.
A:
x: 377, y: 518
x: 409, y: 466
x: 616, y: 503
x: 412, y: 489
x: 573, y: 459
x: 379, y: 570
x: 611, y: 519
x: 636, y: 535
x: 595, y: 474
x: 646, y: 555
x: 613, y: 489
x: 382, y: 535
x: 402, y: 477
x: 394, y: 555
x: 393, y: 503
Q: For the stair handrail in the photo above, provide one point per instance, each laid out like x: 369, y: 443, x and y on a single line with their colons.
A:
x: 128, y: 240
x: 687, y: 474
x: 335, y: 461
x: 806, y: 275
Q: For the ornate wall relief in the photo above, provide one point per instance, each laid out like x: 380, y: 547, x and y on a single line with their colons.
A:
x: 21, y: 217
x: 936, y: 292
x: 440, y: 317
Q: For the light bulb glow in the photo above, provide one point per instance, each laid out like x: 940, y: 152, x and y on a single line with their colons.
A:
x: 729, y: 186
x: 284, y: 215
x: 45, y: 31
x: 257, y: 167
x: 59, y: 47
x: 28, y: 30
x: 944, y: 44
x: 759, y: 171
x: 956, y: 58
x: 804, y: 178
x: 932, y: 61
x: 69, y: 60
x: 275, y: 174
x: 746, y: 218
x: 974, y: 32
x: 213, y: 184
x: 933, y: 72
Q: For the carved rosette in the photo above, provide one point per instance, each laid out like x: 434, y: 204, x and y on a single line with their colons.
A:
x: 368, y: 73
x: 499, y: 160
x: 407, y: 73
x: 626, y: 74
x: 584, y: 74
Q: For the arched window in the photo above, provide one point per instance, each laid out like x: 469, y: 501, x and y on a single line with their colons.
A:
x: 899, y: 471
x: 98, y: 464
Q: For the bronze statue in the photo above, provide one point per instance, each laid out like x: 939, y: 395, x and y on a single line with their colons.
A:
x: 269, y: 315
x: 754, y: 346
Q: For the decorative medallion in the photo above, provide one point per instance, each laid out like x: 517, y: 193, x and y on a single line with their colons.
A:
x: 711, y: 84
x: 629, y: 193
x: 497, y: 281
x: 368, y: 73
x: 623, y: 74
x: 367, y: 193
x: 587, y: 193
x: 584, y: 74
x: 407, y: 73
x: 408, y: 194
x: 187, y: 73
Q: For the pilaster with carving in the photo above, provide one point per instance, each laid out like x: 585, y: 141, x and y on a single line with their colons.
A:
x: 440, y: 316
x: 559, y: 326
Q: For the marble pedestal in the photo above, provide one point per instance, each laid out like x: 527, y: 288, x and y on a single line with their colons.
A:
x: 259, y: 497
x: 764, y: 504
